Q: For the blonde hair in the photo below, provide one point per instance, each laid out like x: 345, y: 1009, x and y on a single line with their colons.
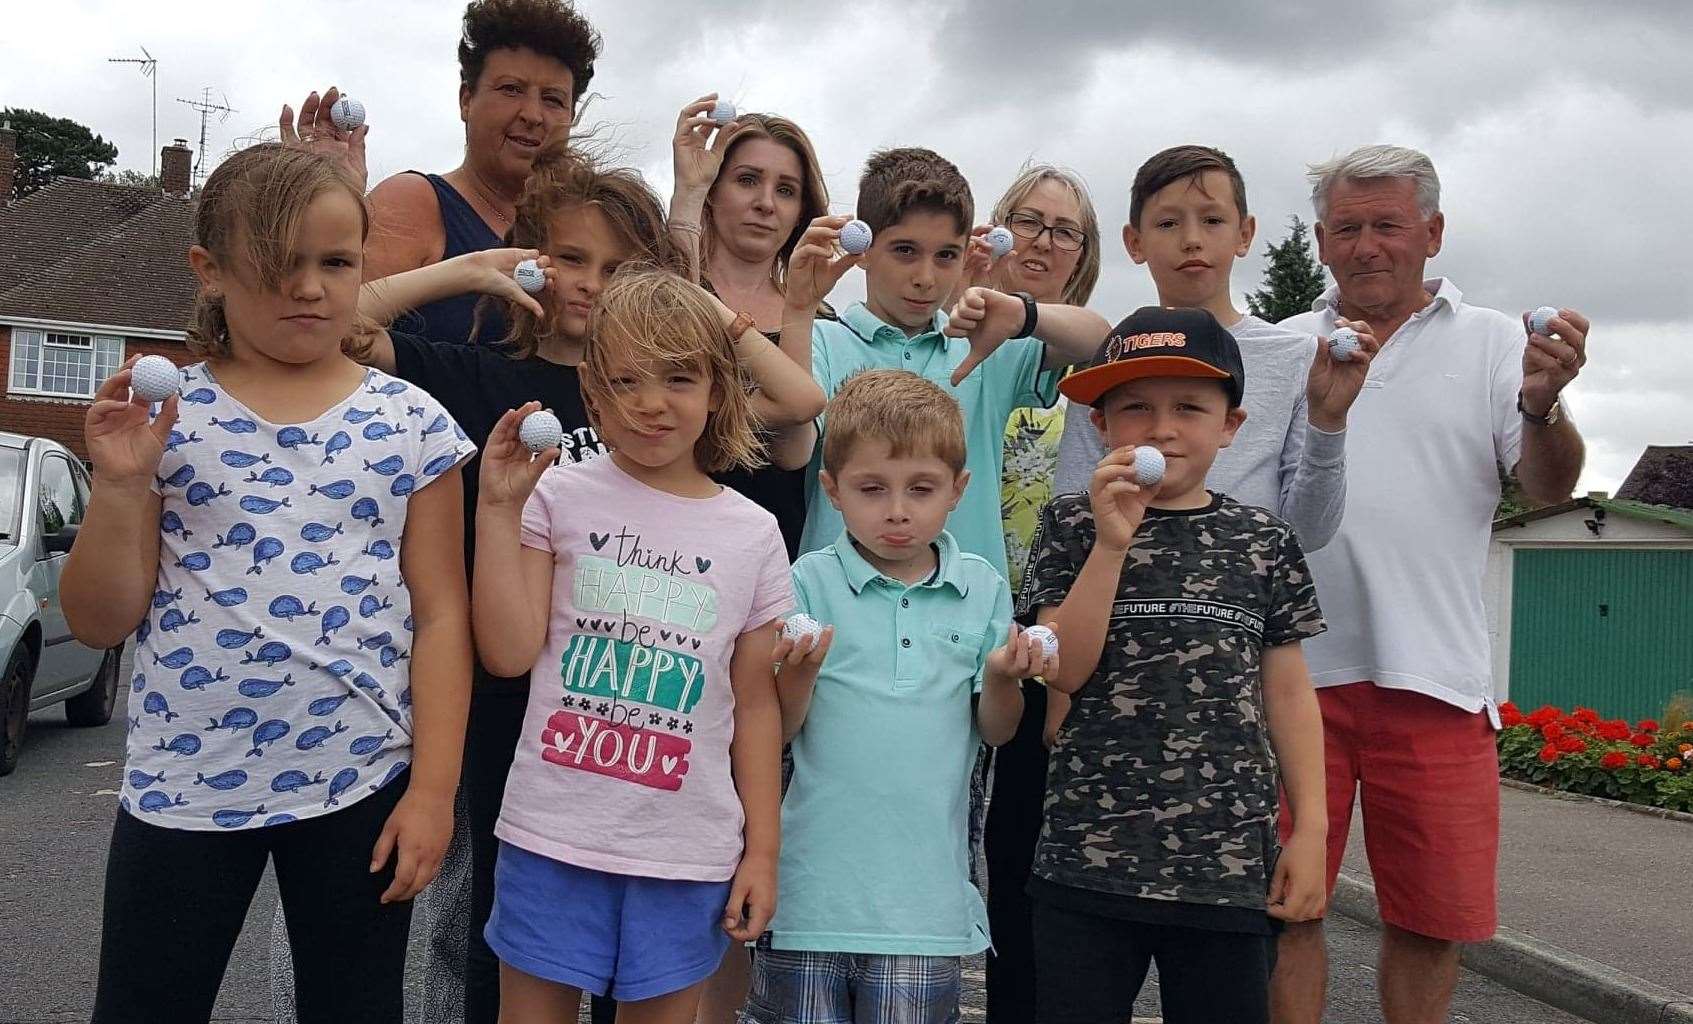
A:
x: 1079, y: 288
x: 260, y: 196
x: 655, y: 318
x: 915, y: 416
x: 562, y: 179
x: 813, y: 193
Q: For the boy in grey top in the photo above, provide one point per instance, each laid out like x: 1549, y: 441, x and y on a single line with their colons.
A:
x: 1188, y: 223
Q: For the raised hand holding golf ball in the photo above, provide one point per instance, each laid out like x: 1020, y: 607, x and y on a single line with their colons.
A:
x: 1342, y: 343
x: 1048, y: 640
x: 347, y: 113
x: 154, y: 378
x: 801, y: 625
x: 856, y: 237
x: 530, y: 277
x: 1000, y: 241
x: 1149, y: 466
x: 1540, y: 321
x: 723, y: 112
x: 540, y: 430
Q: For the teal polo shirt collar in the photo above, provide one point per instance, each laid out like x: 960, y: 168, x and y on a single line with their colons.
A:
x: 874, y: 329
x: 860, y: 572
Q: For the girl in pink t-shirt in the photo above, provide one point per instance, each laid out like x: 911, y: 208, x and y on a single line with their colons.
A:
x: 640, y: 824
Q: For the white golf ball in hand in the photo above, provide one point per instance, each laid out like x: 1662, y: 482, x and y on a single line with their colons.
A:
x: 540, y: 430
x: 723, y: 113
x: 1048, y: 639
x: 530, y: 277
x: 1000, y: 240
x: 154, y: 378
x: 1540, y: 321
x: 800, y: 625
x: 347, y: 113
x: 1149, y: 466
x: 1342, y: 343
x: 856, y: 237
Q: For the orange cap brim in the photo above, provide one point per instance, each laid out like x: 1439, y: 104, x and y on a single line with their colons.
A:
x: 1090, y: 385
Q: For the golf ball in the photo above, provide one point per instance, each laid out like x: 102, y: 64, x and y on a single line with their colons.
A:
x: 347, y: 113
x: 154, y: 378
x: 1540, y: 321
x: 1342, y: 343
x: 540, y: 430
x: 800, y: 625
x: 1000, y: 240
x: 1048, y: 639
x: 723, y: 113
x: 530, y: 277
x: 856, y: 237
x: 1149, y: 466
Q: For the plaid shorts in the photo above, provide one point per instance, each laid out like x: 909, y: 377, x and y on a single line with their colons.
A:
x: 802, y: 987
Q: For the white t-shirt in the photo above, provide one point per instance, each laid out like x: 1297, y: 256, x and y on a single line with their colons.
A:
x: 1400, y: 583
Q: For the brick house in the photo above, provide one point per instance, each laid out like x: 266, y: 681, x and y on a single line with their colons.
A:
x: 91, y: 273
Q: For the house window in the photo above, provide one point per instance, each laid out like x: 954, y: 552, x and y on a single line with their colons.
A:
x: 62, y: 365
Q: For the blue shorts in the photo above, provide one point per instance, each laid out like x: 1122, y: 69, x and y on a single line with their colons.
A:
x: 630, y: 937
x: 802, y: 987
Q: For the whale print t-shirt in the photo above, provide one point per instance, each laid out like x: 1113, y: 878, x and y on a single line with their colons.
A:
x: 272, y: 672
x: 623, y: 762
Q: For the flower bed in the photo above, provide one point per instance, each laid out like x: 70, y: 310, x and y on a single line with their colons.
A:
x: 1580, y: 752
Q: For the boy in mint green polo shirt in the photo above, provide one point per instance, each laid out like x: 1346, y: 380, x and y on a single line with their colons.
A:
x: 919, y: 208
x: 920, y: 662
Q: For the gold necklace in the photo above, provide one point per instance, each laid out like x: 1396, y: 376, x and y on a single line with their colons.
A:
x: 493, y: 207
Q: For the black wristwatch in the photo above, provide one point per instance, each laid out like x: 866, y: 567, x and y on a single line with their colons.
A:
x: 1551, y: 417
x: 1031, y: 315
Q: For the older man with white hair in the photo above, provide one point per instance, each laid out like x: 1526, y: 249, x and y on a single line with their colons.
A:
x: 1403, y: 673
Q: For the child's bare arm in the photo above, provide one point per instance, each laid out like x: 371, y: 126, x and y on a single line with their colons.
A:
x: 797, y: 664
x: 432, y: 564
x: 510, y: 622
x: 488, y: 272
x: 113, y: 567
x: 786, y: 395
x: 1296, y: 732
x: 755, y: 756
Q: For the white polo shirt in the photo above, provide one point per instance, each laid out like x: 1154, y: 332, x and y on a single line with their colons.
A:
x: 1401, y: 582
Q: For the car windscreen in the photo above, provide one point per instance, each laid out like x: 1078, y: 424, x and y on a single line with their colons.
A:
x: 11, y: 490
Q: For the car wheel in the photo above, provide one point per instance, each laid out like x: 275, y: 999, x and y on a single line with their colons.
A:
x: 14, y: 706
x: 94, y: 705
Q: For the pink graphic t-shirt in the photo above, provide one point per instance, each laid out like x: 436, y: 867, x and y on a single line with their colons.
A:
x: 623, y: 764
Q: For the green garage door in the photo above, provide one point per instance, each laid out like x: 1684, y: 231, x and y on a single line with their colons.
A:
x: 1606, y: 629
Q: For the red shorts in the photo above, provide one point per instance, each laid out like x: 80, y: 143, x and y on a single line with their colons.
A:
x: 1428, y: 778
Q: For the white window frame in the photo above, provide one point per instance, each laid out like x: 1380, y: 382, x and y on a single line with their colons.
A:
x: 105, y: 356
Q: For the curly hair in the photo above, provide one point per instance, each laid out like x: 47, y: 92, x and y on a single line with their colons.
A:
x: 552, y: 28
x: 262, y: 194
x: 897, y: 181
x: 565, y: 178
x: 814, y: 191
x: 656, y: 318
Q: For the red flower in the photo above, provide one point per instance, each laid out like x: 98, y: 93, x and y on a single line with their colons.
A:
x: 1549, y: 753
x: 1648, y: 725
x: 1572, y: 745
x: 1509, y: 708
x: 1614, y: 760
x: 1544, y: 715
x: 1614, y: 731
x: 1640, y: 739
x: 1509, y: 717
x: 1552, y: 730
x: 1587, y: 715
x: 1646, y: 761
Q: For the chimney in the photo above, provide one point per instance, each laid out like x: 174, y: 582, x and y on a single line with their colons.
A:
x: 8, y: 160
x: 176, y: 168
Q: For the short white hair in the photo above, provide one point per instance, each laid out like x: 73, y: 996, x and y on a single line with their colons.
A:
x: 1373, y: 163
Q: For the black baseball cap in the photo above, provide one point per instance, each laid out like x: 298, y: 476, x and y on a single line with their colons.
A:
x: 1160, y: 341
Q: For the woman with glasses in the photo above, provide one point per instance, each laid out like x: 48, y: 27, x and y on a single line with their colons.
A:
x: 1056, y: 259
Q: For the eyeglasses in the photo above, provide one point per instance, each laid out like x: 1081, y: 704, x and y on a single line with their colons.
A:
x: 1028, y: 226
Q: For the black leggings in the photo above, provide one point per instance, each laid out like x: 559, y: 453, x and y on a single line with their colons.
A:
x: 496, y: 720
x: 1091, y: 968
x: 1013, y: 828
x: 176, y: 899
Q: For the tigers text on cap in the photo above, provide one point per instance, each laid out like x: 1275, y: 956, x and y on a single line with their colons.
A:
x: 1160, y: 341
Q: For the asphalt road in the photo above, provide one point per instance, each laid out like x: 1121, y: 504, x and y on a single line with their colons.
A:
x: 56, y: 815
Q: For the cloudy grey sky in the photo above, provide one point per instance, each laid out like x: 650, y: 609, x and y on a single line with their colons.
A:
x: 1562, y: 130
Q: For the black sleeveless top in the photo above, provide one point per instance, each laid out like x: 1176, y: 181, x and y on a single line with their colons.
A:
x: 449, y: 320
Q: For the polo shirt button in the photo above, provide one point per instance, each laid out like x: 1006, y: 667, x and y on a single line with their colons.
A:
x: 905, y: 602
x: 905, y: 642
x: 955, y: 638
x: 908, y: 355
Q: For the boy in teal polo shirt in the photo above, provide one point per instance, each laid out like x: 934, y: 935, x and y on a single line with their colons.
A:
x: 885, y: 713
x: 919, y: 207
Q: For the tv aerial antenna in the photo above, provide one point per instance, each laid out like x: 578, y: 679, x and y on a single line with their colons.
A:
x: 206, y: 108
x: 149, y: 67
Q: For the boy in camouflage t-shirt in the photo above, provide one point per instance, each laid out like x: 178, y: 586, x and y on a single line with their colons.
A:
x: 1179, y: 615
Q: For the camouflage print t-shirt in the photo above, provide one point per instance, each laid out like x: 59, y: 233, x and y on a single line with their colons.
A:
x: 1163, y: 784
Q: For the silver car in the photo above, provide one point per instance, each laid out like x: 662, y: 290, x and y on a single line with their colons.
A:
x: 43, y: 495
